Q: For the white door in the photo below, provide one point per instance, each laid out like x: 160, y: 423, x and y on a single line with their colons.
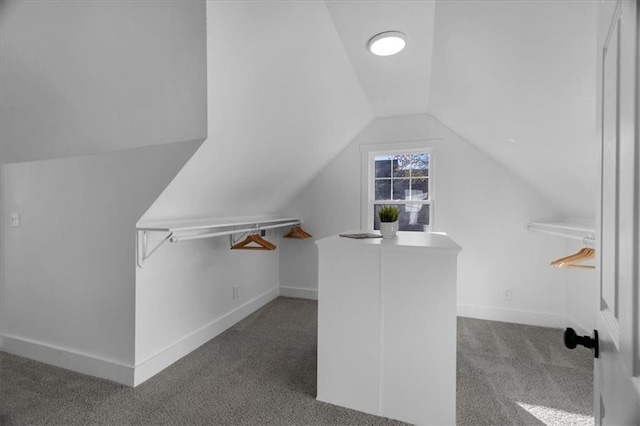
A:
x: 617, y: 370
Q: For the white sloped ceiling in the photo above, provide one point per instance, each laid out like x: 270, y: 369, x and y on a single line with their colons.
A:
x: 516, y: 79
x: 282, y: 101
x: 394, y: 85
x: 91, y: 77
x: 291, y: 83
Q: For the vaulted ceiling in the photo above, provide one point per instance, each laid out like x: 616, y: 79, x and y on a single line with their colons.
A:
x: 394, y: 85
x: 516, y: 79
x: 290, y: 83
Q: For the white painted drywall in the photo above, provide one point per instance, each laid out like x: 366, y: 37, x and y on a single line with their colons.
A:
x: 84, y: 77
x: 582, y: 293
x: 283, y: 100
x: 68, y: 281
x: 126, y: 82
x: 523, y: 71
x: 478, y: 202
x: 184, y: 296
x: 3, y: 218
x: 398, y: 84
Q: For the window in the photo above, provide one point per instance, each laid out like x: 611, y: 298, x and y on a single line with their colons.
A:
x: 402, y: 179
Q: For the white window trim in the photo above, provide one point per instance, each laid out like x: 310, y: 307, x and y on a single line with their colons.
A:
x: 368, y: 152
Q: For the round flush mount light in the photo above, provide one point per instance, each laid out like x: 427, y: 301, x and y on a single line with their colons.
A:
x: 387, y: 43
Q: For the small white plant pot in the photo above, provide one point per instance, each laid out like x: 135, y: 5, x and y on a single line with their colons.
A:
x: 389, y: 229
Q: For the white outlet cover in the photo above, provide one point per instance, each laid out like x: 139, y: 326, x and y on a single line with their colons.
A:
x: 14, y: 219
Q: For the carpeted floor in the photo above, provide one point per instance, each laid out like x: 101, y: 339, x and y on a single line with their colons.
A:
x: 512, y: 374
x: 263, y: 371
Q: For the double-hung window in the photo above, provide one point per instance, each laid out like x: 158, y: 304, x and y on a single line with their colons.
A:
x: 402, y: 179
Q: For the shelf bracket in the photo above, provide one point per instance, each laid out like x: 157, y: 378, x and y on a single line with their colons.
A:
x: 142, y: 244
x: 233, y: 240
x: 189, y: 231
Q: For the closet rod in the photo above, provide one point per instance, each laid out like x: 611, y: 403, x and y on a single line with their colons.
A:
x: 175, y: 239
x: 587, y: 240
x: 177, y: 231
x: 538, y: 226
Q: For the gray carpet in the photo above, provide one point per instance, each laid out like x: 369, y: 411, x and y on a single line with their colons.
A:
x: 512, y: 374
x: 263, y: 371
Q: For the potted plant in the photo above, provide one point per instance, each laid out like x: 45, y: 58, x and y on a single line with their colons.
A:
x: 388, y: 221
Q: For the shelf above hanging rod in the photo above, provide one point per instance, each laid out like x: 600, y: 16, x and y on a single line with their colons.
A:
x: 571, y: 231
x: 175, y: 239
x: 198, y: 229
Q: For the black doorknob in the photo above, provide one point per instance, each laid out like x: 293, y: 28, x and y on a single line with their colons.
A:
x: 571, y: 340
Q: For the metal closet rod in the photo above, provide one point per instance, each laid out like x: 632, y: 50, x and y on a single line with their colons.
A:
x: 142, y: 252
x: 175, y: 239
x: 540, y: 227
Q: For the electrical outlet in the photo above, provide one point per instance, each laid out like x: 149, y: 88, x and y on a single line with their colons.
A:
x: 236, y: 291
x: 507, y: 294
x: 14, y: 220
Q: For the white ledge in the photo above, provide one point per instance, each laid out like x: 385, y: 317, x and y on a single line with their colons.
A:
x: 195, y: 229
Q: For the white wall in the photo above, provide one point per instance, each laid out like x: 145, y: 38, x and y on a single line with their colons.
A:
x: 84, y: 77
x: 184, y: 296
x: 479, y: 203
x: 68, y: 293
x: 123, y: 82
x: 283, y: 100
x: 582, y: 293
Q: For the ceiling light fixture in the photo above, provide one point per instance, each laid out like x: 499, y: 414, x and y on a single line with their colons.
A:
x: 387, y: 43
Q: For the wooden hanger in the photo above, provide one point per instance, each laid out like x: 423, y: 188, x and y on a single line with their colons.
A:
x: 262, y: 244
x: 583, y: 255
x: 583, y: 252
x: 297, y: 232
x: 572, y: 261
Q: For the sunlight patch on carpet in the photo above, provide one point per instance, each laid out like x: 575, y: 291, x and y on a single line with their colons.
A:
x: 553, y: 416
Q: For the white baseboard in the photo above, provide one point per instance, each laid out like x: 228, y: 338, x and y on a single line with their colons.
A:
x: 146, y: 369
x: 578, y: 327
x: 300, y: 293
x: 542, y: 319
x: 128, y: 374
x: 69, y: 359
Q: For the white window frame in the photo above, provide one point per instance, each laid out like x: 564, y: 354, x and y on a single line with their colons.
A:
x: 367, y: 193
